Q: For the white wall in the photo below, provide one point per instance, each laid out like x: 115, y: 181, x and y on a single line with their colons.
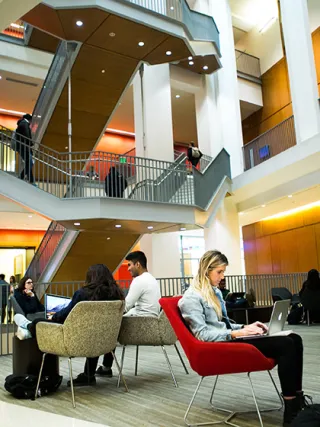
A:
x: 314, y: 14
x: 250, y: 92
x: 266, y: 46
x: 7, y: 261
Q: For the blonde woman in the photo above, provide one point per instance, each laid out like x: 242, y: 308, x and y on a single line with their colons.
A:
x: 204, y: 311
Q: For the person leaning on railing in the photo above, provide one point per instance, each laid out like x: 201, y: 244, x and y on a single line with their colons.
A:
x: 204, y: 311
x: 23, y: 146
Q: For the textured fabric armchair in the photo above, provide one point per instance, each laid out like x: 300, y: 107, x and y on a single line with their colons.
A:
x: 149, y: 331
x: 90, y: 330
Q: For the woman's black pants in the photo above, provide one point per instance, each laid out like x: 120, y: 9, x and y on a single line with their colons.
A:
x: 287, y: 351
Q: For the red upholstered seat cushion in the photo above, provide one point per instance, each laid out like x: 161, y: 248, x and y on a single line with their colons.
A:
x: 214, y: 358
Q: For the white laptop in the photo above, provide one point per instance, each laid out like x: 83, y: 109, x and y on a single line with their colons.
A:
x: 277, y: 322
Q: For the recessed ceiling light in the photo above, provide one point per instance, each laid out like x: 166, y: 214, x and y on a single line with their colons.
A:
x: 118, y: 226
x: 30, y: 216
x: 171, y: 8
x: 168, y: 52
x: 76, y: 223
x: 141, y: 44
x: 66, y: 148
x: 108, y: 238
x: 191, y: 63
x: 182, y: 229
x: 290, y: 195
x: 103, y: 71
x: 79, y: 23
x: 150, y: 227
x: 0, y: 77
x: 240, y: 213
x: 177, y: 96
x: 263, y: 206
x: 112, y: 34
x: 205, y: 67
x: 190, y: 58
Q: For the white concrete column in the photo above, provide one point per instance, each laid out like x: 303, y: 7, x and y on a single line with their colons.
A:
x: 163, y: 254
x: 301, y: 68
x: 222, y: 88
x: 153, y: 113
x: 224, y: 235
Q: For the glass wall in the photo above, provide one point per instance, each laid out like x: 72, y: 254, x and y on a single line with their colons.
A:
x: 191, y: 248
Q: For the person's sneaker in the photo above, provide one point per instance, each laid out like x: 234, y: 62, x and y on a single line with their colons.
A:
x: 82, y: 380
x: 21, y: 320
x: 23, y: 334
x: 104, y: 372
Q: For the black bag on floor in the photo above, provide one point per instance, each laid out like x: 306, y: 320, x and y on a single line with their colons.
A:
x: 24, y: 386
x: 309, y: 417
x: 296, y: 314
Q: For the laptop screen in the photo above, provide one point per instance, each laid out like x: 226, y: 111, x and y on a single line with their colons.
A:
x: 55, y: 303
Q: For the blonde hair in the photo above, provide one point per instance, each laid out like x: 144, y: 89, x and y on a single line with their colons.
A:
x: 201, y: 283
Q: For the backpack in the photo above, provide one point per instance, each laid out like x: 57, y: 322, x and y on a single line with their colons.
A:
x: 195, y: 152
x: 309, y: 417
x: 24, y: 386
x: 296, y: 314
x: 13, y: 141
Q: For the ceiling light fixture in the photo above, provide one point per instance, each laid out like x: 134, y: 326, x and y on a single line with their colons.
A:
x: 150, y: 227
x: 108, y: 238
x: 191, y: 63
x: 29, y: 216
x: 293, y: 211
x: 205, y: 67
x: 263, y: 206
x: 79, y: 23
x: 103, y: 71
x: 112, y: 34
x: 182, y: 229
x: 66, y: 148
x: 178, y: 96
x: 120, y: 132
x: 141, y: 44
x: 118, y: 226
x: 171, y: 8
x: 0, y: 77
x: 168, y: 52
x: 290, y: 195
x: 12, y: 112
x: 240, y: 213
x: 76, y: 223
x: 190, y: 58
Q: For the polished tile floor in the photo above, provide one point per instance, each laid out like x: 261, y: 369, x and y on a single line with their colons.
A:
x: 13, y: 415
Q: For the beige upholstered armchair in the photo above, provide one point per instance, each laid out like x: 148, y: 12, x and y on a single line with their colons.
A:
x: 90, y: 330
x: 150, y: 331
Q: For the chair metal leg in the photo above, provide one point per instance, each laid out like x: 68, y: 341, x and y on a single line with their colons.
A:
x: 308, y: 317
x: 120, y: 372
x: 170, y: 367
x: 137, y: 356
x: 232, y: 414
x: 181, y: 360
x: 40, y: 374
x: 71, y: 382
x: 121, y: 366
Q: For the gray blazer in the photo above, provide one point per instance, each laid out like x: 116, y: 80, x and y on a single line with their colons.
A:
x: 202, y: 318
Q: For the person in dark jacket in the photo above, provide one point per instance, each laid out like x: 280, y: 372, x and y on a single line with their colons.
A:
x: 312, y: 283
x: 100, y: 286
x: 310, y: 295
x: 23, y: 146
x: 5, y: 293
x: 27, y: 298
x: 115, y: 183
x: 194, y: 154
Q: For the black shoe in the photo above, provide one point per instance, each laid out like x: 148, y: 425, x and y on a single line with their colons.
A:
x: 304, y: 400
x: 104, y: 372
x: 291, y: 410
x: 82, y: 380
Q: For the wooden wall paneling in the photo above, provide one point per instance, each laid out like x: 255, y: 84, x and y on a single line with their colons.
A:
x: 250, y: 251
x: 248, y: 232
x: 275, y: 244
x: 264, y: 258
x: 311, y: 216
x: 289, y: 252
x: 316, y: 51
x: 258, y: 228
x: 307, y: 248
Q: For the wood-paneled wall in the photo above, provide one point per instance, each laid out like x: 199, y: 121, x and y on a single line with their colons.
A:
x: 289, y: 244
x: 277, y: 105
x: 20, y: 238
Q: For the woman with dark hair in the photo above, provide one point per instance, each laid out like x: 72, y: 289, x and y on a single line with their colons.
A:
x: 27, y: 298
x: 312, y: 283
x: 100, y: 286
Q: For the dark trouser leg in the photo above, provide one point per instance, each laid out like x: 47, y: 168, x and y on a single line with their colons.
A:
x: 3, y: 312
x: 32, y: 326
x: 108, y: 360
x: 27, y: 170
x: 288, y: 353
x: 90, y: 366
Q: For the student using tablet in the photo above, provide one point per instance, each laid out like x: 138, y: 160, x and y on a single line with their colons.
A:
x: 204, y: 310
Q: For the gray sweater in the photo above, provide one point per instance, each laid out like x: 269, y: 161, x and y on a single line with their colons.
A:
x: 202, y: 319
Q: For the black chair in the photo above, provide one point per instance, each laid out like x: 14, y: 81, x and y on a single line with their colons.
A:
x: 310, y: 301
x: 279, y: 294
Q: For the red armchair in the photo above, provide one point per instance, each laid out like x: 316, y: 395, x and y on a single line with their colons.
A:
x: 214, y: 359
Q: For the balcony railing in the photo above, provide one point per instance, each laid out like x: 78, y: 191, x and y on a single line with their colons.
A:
x: 270, y: 143
x: 248, y: 65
